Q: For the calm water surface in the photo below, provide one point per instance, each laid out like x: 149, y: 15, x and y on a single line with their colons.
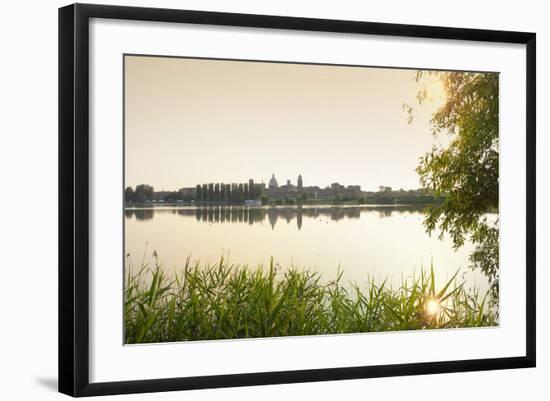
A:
x: 376, y: 241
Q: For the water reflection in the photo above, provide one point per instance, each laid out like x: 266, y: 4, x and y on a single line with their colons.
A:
x: 363, y: 240
x: 258, y: 215
x: 140, y: 214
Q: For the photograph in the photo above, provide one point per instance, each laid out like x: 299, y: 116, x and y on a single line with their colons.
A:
x: 275, y: 200
x: 269, y: 199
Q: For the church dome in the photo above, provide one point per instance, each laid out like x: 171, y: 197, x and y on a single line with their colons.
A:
x: 273, y: 182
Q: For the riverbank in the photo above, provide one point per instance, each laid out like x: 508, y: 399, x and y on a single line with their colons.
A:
x: 222, y: 301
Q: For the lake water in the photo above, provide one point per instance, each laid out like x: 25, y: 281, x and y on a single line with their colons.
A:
x: 364, y: 241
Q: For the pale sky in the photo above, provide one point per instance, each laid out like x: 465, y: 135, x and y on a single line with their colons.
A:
x: 190, y: 121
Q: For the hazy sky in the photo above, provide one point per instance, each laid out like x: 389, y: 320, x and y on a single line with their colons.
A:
x: 194, y: 121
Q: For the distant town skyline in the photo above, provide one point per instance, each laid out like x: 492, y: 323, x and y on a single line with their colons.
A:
x: 190, y: 121
x: 280, y: 182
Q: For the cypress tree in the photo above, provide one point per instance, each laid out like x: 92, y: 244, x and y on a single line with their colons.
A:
x: 210, y: 192
x: 198, y: 195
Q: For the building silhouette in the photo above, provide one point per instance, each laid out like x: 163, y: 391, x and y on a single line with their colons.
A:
x: 288, y: 190
x: 273, y: 182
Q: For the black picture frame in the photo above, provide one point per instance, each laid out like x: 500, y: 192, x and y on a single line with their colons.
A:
x: 74, y: 198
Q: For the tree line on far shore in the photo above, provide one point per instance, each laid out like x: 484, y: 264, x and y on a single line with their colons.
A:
x: 234, y: 192
x: 211, y: 192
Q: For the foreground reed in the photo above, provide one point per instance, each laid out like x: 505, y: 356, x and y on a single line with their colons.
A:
x: 223, y: 301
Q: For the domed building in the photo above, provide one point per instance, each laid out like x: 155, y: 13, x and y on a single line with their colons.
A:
x: 294, y: 192
x: 273, y: 182
x: 276, y: 191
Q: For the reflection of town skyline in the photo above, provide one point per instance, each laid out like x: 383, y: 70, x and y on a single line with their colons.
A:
x: 252, y: 215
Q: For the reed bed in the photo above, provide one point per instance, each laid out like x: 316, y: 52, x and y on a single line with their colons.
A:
x: 228, y: 301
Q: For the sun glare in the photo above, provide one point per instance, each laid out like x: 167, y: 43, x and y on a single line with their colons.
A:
x: 432, y: 307
x: 435, y: 91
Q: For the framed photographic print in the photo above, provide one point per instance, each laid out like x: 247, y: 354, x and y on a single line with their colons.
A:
x: 250, y: 199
